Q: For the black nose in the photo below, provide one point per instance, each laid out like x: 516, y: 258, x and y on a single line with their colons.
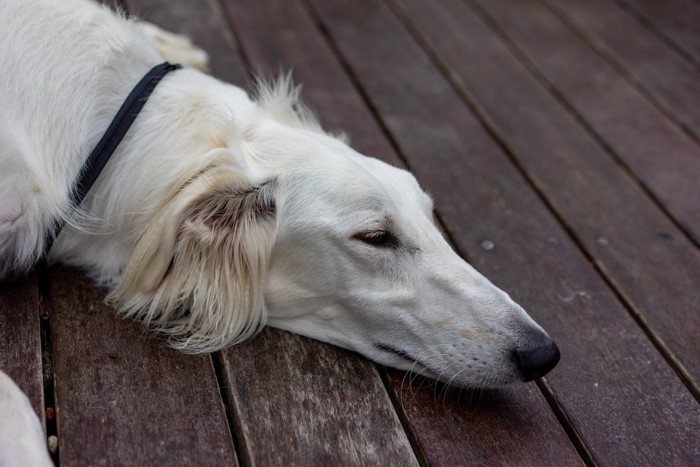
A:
x: 537, y: 357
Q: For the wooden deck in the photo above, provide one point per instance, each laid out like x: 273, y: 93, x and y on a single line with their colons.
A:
x: 561, y: 141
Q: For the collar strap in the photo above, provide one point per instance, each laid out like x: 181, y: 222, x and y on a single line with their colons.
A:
x: 110, y: 140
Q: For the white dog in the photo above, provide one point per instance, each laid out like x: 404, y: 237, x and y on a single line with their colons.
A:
x: 218, y: 213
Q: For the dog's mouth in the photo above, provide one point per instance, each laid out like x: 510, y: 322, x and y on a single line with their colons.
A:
x: 417, y: 365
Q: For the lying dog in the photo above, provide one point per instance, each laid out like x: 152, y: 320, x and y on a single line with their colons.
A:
x: 218, y: 213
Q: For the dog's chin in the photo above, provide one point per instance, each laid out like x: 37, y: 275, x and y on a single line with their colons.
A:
x: 463, y: 379
x: 494, y: 380
x: 485, y: 377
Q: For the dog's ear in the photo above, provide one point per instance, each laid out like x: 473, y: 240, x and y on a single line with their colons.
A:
x: 226, y: 210
x: 198, y: 272
x: 229, y: 207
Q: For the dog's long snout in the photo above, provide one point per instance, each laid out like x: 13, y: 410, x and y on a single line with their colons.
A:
x: 537, y: 358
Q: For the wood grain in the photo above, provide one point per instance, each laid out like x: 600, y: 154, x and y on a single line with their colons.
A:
x: 20, y: 337
x: 672, y: 81
x: 123, y: 397
x: 611, y: 381
x: 491, y: 420
x: 301, y: 402
x: 662, y: 156
x: 278, y: 34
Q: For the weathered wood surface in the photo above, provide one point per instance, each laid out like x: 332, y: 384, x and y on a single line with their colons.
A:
x: 472, y: 427
x: 671, y: 80
x: 659, y: 153
x: 278, y: 33
x: 300, y: 402
x: 20, y: 337
x: 125, y: 398
x: 481, y: 196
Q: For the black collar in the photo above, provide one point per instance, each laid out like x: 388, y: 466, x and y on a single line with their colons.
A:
x: 110, y: 140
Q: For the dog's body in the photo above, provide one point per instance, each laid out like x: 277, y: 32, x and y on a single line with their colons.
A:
x: 218, y: 214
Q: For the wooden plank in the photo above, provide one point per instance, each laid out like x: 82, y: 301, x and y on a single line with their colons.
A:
x: 493, y: 420
x: 644, y: 253
x: 317, y: 404
x: 20, y: 337
x: 123, y: 397
x: 201, y: 21
x: 280, y: 34
x: 676, y: 20
x: 672, y: 82
x: 611, y: 382
x: 662, y: 156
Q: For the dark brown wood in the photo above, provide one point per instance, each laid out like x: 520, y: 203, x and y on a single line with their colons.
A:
x: 647, y: 258
x: 611, y: 382
x: 278, y: 34
x: 661, y: 155
x: 301, y: 402
x: 123, y: 397
x: 20, y: 337
x: 673, y: 81
x: 204, y: 23
x: 677, y: 20
x: 459, y: 417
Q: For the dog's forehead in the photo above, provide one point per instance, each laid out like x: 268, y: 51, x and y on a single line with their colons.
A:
x: 325, y: 172
x: 397, y: 183
x: 359, y: 177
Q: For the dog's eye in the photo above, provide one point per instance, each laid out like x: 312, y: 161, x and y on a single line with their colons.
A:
x: 379, y: 238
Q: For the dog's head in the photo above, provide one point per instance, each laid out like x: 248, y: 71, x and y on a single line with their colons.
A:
x: 358, y: 261
x: 319, y: 240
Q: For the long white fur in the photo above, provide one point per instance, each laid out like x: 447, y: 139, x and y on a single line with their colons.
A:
x: 220, y: 213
